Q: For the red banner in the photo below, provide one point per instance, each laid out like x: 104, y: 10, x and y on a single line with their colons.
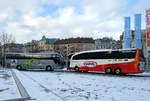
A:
x: 148, y: 33
x: 148, y: 43
x: 148, y: 28
x: 148, y: 18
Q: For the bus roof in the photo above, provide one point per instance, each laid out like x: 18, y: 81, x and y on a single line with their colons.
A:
x: 46, y: 54
x: 103, y: 50
x: 40, y: 53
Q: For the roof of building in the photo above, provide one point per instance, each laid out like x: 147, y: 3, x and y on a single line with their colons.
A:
x: 75, y: 40
x: 49, y: 40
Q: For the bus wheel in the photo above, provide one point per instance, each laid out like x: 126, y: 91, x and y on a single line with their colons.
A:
x: 117, y: 71
x: 76, y: 68
x: 18, y: 67
x: 108, y: 70
x: 49, y: 68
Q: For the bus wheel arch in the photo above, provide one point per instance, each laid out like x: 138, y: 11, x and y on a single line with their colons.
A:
x: 49, y: 68
x: 19, y: 67
x: 117, y: 71
x: 108, y: 70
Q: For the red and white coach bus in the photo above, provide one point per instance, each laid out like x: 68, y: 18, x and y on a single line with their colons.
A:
x: 108, y: 61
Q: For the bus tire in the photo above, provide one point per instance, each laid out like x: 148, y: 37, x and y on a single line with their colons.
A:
x: 49, y: 68
x: 117, y: 71
x: 19, y: 67
x: 108, y: 70
x: 76, y: 68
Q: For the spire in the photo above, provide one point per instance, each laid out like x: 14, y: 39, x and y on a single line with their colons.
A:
x: 43, y: 37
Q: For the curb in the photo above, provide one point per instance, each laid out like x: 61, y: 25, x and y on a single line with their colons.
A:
x: 24, y: 94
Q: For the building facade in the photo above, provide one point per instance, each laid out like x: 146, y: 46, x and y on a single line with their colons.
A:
x: 107, y: 43
x: 31, y: 47
x: 43, y: 45
x: 14, y: 47
x: 46, y: 44
x: 72, y: 45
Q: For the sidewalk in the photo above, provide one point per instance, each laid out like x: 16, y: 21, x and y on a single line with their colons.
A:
x: 8, y: 88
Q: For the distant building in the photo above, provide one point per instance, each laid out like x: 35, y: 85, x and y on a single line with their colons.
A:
x: 107, y: 43
x: 49, y: 40
x: 46, y: 44
x: 118, y: 44
x: 43, y: 45
x: 31, y: 47
x: 14, y: 47
x: 72, y: 45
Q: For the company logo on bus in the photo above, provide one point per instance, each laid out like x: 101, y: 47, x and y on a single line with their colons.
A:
x: 109, y: 60
x: 90, y: 63
x: 13, y: 62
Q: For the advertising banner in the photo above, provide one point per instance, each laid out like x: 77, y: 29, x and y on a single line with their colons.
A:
x: 148, y: 33
x: 148, y: 28
x: 138, y: 31
x: 148, y: 18
x: 127, y: 33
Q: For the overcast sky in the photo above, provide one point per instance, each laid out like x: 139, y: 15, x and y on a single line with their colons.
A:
x: 31, y: 19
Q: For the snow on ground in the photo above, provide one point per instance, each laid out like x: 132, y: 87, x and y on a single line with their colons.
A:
x: 61, y: 86
x: 8, y: 88
x: 145, y: 74
x: 36, y: 90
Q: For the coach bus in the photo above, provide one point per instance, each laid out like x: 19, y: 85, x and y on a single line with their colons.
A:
x: 47, y: 61
x: 121, y: 61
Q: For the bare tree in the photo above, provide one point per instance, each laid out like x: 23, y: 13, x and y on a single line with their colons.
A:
x: 5, y: 39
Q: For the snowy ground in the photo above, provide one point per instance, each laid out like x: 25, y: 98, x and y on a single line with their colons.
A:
x: 61, y: 86
x: 8, y: 88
